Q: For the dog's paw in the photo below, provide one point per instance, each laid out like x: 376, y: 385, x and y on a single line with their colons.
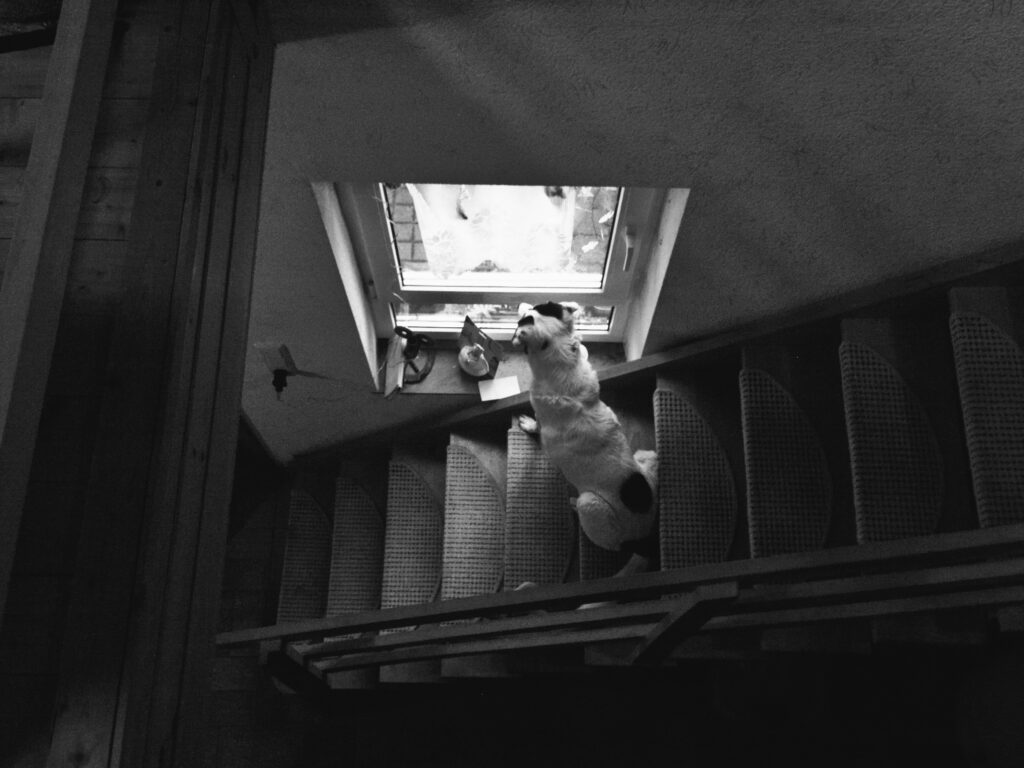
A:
x: 528, y: 424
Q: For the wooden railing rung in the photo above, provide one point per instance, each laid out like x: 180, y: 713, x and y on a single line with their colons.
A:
x: 992, y: 596
x: 876, y: 559
x: 686, y: 618
x: 530, y: 641
x: 660, y: 625
x: 575, y: 619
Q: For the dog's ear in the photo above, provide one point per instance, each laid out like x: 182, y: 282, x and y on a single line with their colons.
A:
x: 571, y: 311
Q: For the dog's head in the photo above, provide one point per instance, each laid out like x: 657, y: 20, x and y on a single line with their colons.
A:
x: 544, y: 324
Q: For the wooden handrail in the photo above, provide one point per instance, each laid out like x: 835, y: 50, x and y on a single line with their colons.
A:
x: 857, y: 560
x: 660, y: 625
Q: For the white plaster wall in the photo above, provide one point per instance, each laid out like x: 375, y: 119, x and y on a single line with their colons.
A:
x: 828, y: 146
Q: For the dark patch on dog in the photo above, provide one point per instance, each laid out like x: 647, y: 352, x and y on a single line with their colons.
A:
x: 525, y: 320
x: 636, y: 493
x: 550, y: 309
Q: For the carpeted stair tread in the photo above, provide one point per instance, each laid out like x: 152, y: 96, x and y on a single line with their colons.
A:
x: 307, y: 560
x: 539, y: 521
x: 474, y: 528
x: 789, y: 486
x: 697, y: 492
x: 596, y: 562
x: 413, y: 540
x: 897, y: 466
x: 357, y: 551
x: 990, y: 373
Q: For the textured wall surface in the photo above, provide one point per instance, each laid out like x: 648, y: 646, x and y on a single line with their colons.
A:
x: 828, y: 147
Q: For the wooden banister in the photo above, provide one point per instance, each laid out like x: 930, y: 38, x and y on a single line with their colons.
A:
x: 909, y: 566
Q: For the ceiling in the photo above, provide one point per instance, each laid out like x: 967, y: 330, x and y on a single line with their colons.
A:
x: 827, y: 146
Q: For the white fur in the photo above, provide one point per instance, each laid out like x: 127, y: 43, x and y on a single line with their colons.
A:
x: 580, y: 434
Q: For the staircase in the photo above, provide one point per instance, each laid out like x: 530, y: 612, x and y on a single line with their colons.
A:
x: 832, y: 488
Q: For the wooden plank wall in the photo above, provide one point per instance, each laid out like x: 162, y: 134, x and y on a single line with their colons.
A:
x: 33, y: 625
x: 106, y: 647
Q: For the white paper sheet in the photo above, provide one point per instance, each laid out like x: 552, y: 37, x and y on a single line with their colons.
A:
x: 495, y: 389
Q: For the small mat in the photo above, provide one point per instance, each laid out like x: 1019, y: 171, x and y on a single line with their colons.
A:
x: 474, y: 528
x: 413, y: 540
x: 357, y: 552
x: 789, y: 486
x: 696, y: 487
x: 990, y: 373
x: 307, y: 561
x: 539, y: 521
x: 894, y: 455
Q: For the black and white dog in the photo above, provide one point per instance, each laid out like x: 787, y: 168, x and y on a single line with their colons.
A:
x: 582, y: 436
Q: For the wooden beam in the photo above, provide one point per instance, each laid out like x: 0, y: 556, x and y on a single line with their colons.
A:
x: 36, y: 269
x: 528, y: 641
x: 663, y: 624
x: 199, y: 516
x: 98, y: 685
x: 943, y: 549
x: 652, y: 610
x: 761, y: 599
x: 865, y: 609
x: 682, y: 621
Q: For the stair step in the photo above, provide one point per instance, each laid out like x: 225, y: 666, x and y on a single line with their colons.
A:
x: 597, y: 562
x: 790, y: 483
x: 474, y: 534
x: 540, y: 525
x: 304, y: 575
x: 795, y: 455
x: 987, y: 347
x: 357, y: 558
x: 897, y: 468
x: 474, y: 522
x: 698, y: 489
x: 307, y: 560
x: 414, y: 543
x: 907, y: 459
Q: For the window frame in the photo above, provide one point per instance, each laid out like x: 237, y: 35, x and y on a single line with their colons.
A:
x: 634, y: 232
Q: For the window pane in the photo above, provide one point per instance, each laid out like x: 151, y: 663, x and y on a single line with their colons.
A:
x: 501, y: 237
x: 490, y: 317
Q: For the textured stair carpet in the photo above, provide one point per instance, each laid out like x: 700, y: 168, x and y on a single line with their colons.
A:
x: 474, y: 528
x: 696, y: 489
x: 789, y: 486
x: 307, y: 561
x: 413, y: 540
x: 895, y: 459
x: 990, y: 373
x: 413, y: 544
x: 357, y: 551
x: 598, y: 563
x: 540, y: 530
